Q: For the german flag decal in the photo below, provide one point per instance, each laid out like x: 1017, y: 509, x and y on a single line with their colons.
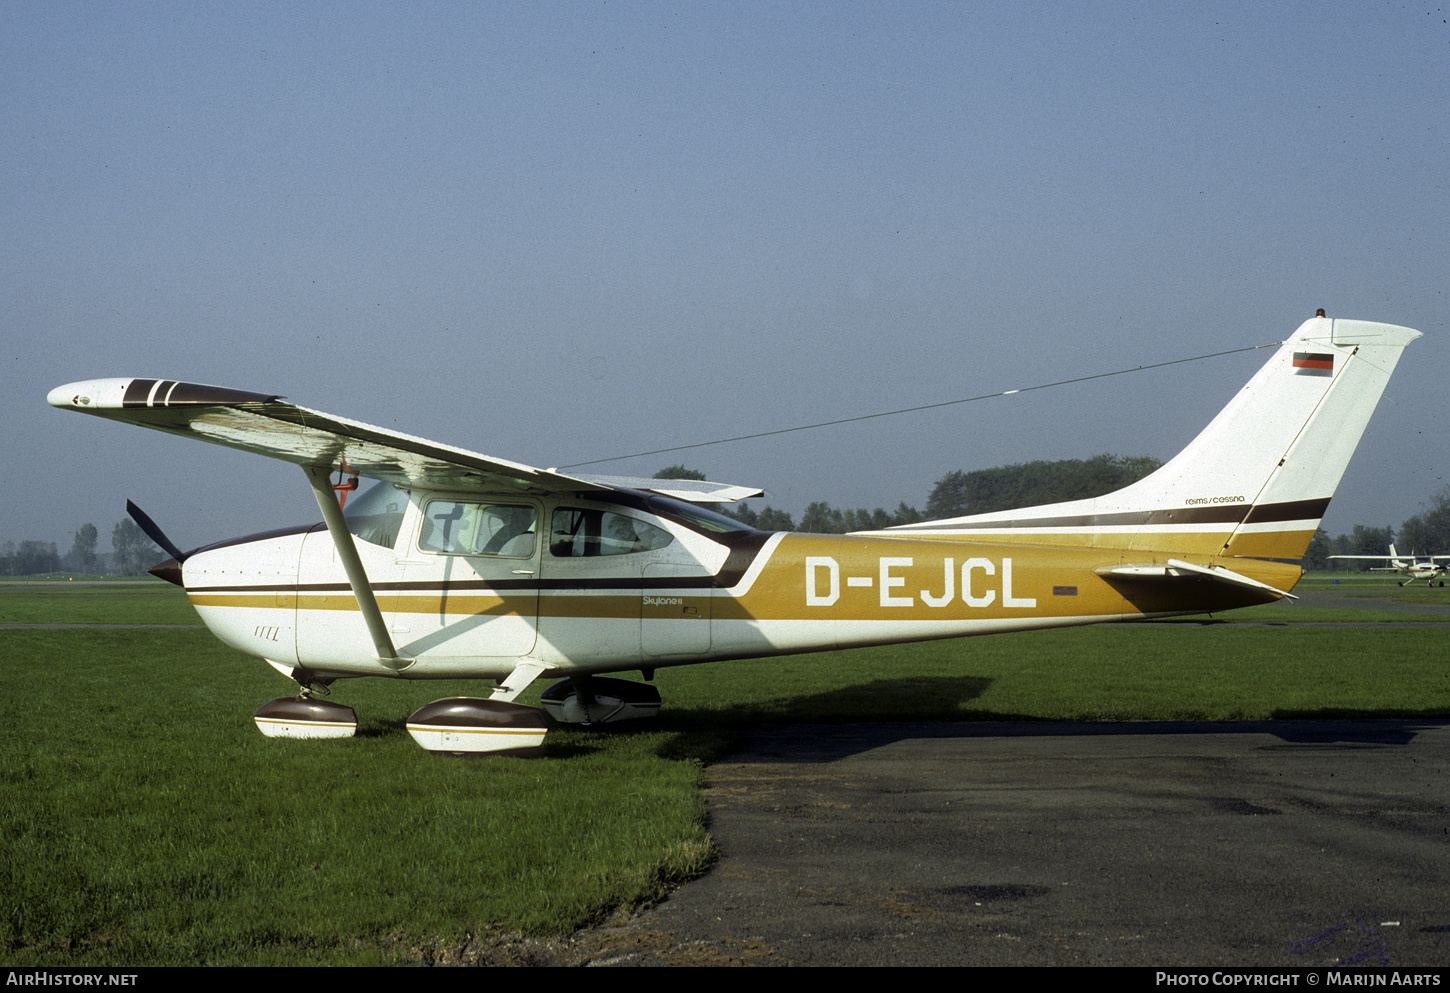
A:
x: 1313, y: 364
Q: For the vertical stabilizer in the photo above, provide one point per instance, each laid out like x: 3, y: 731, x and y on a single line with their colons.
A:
x: 1256, y: 481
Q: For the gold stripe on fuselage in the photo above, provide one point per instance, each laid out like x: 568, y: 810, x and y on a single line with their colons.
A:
x: 872, y: 579
x: 859, y: 578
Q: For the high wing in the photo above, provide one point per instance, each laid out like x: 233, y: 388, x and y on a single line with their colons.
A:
x: 268, y: 425
x: 691, y: 490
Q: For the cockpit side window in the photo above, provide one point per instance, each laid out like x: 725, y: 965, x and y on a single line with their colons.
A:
x: 578, y: 532
x: 376, y: 516
x: 463, y: 528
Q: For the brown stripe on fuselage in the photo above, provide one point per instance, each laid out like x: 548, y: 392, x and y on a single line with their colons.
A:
x: 1294, y: 510
x: 1238, y: 513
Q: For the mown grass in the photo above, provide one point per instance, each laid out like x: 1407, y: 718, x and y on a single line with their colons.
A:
x: 144, y: 820
x: 135, y: 602
x: 1296, y: 613
x: 1111, y: 672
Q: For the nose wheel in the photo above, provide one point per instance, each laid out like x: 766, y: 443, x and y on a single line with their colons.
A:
x: 304, y: 716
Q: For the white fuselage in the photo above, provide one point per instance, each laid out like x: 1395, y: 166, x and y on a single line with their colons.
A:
x: 468, y: 587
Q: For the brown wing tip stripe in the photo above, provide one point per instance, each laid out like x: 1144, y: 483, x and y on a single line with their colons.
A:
x: 173, y: 393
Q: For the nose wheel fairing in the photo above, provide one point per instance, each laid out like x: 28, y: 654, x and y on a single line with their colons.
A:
x: 305, y: 717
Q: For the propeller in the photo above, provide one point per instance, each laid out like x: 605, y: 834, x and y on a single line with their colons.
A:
x: 153, y: 532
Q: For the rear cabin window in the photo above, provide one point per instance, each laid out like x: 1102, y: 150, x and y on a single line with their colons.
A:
x: 454, y: 527
x: 578, y: 533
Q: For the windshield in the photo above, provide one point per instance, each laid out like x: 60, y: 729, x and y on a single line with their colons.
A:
x: 377, y: 515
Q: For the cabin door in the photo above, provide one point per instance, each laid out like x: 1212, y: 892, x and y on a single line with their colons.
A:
x: 469, y: 584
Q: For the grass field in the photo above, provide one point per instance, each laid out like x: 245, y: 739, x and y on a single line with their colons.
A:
x: 145, y: 821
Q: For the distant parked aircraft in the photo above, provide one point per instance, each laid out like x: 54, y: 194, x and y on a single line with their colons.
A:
x: 1406, y: 565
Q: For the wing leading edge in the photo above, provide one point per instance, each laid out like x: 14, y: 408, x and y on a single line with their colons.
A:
x: 268, y: 425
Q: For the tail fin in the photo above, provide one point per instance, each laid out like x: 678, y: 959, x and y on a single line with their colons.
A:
x: 1256, y: 481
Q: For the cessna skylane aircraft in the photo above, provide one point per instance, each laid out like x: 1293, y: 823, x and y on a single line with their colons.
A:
x: 457, y: 565
x: 1406, y: 565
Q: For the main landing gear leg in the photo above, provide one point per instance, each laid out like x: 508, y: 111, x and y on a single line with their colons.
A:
x: 586, y: 699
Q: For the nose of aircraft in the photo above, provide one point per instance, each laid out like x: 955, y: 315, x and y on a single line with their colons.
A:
x: 254, y: 564
x: 170, y: 570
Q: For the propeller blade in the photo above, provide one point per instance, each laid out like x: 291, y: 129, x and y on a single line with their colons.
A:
x: 153, y: 532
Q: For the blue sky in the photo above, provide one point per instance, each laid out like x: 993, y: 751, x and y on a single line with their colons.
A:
x: 558, y: 232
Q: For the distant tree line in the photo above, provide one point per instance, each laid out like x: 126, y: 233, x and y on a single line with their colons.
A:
x: 819, y: 518
x: 1028, y: 484
x: 957, y: 494
x: 822, y: 518
x: 28, y: 558
x: 132, y: 553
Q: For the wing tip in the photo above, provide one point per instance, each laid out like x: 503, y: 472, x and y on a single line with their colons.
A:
x: 117, y: 394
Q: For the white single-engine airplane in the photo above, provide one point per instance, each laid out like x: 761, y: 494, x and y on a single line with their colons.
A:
x: 459, y: 565
x: 1406, y: 565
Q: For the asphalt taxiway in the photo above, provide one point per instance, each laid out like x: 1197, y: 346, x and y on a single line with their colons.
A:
x: 1267, y: 843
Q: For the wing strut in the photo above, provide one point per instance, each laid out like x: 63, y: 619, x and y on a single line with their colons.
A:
x: 321, y: 479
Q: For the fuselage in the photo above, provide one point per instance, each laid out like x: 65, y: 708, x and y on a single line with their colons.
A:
x: 471, y: 584
x: 1414, y: 569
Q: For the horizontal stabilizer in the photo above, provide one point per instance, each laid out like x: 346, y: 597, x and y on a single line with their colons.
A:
x: 1175, y: 569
